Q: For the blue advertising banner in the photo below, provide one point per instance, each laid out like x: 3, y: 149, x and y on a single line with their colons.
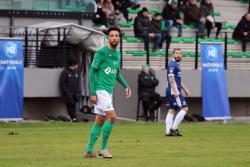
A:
x: 215, y: 102
x: 11, y: 79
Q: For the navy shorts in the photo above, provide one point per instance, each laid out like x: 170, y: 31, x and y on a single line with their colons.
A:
x: 176, y: 103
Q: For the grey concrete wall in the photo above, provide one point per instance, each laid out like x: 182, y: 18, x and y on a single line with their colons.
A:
x: 41, y: 92
x: 40, y: 82
x: 4, y: 21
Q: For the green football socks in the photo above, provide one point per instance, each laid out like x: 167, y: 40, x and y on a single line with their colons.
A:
x: 94, y: 134
x: 107, y: 128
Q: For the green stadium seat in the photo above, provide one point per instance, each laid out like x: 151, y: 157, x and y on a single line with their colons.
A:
x: 133, y: 11
x: 216, y: 13
x: 143, y: 53
x: 228, y: 26
x: 132, y: 39
x: 231, y: 41
x: 176, y: 40
x: 126, y: 24
x: 188, y: 54
x: 236, y: 54
x: 188, y: 40
x: 247, y: 54
x: 156, y: 10
x: 217, y: 40
x: 153, y: 54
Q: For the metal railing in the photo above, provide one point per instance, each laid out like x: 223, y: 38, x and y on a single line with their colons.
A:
x: 38, y: 49
x: 196, y: 60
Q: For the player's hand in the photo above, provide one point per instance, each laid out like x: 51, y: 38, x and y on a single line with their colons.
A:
x: 128, y: 92
x: 93, y: 99
x: 187, y: 92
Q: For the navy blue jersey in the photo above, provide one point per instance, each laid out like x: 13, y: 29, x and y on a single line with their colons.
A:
x: 174, y: 70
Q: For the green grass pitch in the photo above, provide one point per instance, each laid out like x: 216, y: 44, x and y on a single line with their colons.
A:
x: 55, y: 144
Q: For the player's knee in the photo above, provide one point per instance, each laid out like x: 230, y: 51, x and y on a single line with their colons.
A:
x: 185, y: 109
x: 100, y: 122
x: 111, y: 116
x: 112, y: 119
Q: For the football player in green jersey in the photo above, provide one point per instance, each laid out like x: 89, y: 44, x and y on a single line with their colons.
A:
x: 104, y: 71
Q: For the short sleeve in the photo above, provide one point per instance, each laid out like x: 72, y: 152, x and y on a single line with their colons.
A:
x: 171, y: 69
x: 97, y: 61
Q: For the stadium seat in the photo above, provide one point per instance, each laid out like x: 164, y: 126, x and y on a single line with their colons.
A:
x: 156, y: 10
x: 228, y: 26
x: 176, y: 40
x: 133, y: 11
x: 216, y: 13
x: 188, y: 40
x: 188, y: 54
x: 132, y: 39
x: 126, y: 24
x: 231, y: 41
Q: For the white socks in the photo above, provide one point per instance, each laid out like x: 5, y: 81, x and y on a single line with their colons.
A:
x: 169, y: 122
x: 179, y: 117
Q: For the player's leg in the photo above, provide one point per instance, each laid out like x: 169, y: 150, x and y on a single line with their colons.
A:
x: 178, y: 119
x: 180, y: 116
x: 172, y: 106
x: 107, y: 129
x: 169, y: 121
x: 94, y: 134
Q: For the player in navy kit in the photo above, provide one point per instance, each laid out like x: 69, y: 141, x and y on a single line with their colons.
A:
x: 175, y: 98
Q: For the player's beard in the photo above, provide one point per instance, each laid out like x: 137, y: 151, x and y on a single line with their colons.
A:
x: 178, y: 59
x: 114, y: 44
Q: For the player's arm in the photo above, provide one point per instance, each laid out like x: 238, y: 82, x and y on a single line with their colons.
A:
x: 172, y: 83
x: 121, y: 80
x: 183, y: 87
x: 171, y: 80
x: 95, y: 65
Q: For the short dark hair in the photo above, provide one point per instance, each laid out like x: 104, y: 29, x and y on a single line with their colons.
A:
x: 176, y: 49
x: 144, y: 9
x: 114, y: 28
x: 72, y: 62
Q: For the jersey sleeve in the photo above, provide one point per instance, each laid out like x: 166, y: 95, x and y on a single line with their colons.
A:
x: 171, y: 70
x: 121, y: 80
x: 97, y: 61
x: 95, y: 65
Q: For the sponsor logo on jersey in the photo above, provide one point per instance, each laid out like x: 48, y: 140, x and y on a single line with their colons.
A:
x: 108, y: 70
